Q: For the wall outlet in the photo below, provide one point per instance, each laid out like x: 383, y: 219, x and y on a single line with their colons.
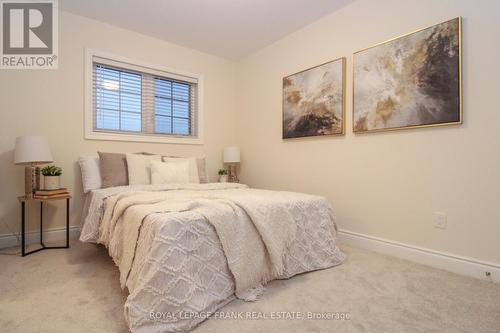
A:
x: 440, y: 220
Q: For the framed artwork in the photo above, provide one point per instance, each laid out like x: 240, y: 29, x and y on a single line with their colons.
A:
x: 314, y: 101
x: 411, y: 81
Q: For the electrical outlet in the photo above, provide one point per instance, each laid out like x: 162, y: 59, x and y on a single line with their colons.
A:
x: 440, y: 220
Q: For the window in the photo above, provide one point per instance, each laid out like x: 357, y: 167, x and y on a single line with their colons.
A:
x: 172, y: 107
x: 118, y: 100
x: 135, y: 102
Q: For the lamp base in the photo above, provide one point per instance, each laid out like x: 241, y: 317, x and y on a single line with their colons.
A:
x: 30, y: 181
x: 232, y: 177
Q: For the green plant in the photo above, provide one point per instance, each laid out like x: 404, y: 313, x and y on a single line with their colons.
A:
x: 51, y: 170
x: 222, y: 172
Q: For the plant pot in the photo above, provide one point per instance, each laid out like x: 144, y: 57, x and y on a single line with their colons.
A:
x: 223, y: 179
x: 51, y: 183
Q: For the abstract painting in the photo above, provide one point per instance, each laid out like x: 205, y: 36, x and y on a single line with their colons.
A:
x: 313, y: 101
x: 411, y: 81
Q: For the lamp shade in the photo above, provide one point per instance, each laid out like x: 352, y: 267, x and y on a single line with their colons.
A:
x: 232, y: 155
x: 32, y: 150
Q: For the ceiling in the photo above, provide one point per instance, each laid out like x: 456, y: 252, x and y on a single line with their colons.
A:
x: 230, y: 29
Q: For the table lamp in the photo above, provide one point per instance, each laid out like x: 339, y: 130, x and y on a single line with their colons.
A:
x: 31, y: 151
x: 232, y: 157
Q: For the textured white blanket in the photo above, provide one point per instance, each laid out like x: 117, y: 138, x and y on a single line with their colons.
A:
x: 92, y: 217
x: 254, y: 228
x: 183, y: 266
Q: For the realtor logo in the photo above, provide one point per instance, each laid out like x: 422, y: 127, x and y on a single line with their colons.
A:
x: 29, y: 34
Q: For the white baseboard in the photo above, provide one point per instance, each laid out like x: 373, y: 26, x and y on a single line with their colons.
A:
x: 442, y: 260
x: 49, y: 235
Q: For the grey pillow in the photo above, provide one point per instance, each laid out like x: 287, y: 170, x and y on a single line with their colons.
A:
x: 113, y: 169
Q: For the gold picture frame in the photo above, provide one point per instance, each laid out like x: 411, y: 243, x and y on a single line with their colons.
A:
x: 285, y: 135
x: 459, y: 112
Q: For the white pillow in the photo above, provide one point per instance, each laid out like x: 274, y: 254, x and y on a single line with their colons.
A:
x: 169, y: 172
x: 139, y: 168
x: 192, y: 166
x: 91, y: 173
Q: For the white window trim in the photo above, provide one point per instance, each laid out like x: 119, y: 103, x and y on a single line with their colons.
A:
x: 91, y: 134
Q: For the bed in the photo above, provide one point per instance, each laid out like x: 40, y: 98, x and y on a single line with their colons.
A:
x: 186, y: 250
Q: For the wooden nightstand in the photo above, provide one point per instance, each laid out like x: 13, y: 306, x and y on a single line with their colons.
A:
x: 23, y: 200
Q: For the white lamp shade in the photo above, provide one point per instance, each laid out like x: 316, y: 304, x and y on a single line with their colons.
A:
x: 32, y: 150
x: 232, y: 155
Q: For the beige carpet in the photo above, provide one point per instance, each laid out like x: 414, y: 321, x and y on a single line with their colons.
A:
x: 77, y: 290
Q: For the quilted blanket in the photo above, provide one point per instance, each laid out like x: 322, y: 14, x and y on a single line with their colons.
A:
x: 190, y: 250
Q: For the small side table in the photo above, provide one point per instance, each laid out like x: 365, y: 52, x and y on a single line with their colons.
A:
x: 23, y: 200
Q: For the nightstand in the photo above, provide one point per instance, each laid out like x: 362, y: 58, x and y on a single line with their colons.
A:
x: 23, y: 200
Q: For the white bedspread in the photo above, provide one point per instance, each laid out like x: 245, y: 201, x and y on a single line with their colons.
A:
x: 179, y: 257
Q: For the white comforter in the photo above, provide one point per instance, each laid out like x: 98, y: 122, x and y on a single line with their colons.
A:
x: 176, y: 263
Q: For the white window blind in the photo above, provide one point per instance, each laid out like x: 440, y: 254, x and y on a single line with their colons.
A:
x: 133, y: 100
x: 117, y: 100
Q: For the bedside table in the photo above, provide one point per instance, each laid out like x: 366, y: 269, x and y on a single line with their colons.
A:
x: 23, y: 200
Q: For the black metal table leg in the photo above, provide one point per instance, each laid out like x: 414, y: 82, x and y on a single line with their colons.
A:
x: 23, y: 229
x: 41, y: 223
x: 67, y: 223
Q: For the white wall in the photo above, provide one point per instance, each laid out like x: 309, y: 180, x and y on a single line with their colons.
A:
x: 50, y: 103
x: 386, y: 184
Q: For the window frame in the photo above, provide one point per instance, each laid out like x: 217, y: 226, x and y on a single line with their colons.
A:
x: 133, y: 65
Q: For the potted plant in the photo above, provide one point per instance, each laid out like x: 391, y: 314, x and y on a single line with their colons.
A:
x: 51, y: 179
x: 223, y: 176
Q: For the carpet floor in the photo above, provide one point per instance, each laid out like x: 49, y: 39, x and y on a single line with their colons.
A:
x: 77, y: 290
